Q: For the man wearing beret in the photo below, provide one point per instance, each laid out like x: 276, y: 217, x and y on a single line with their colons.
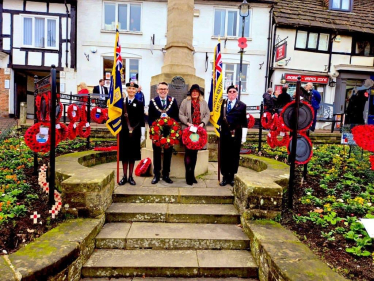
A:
x: 162, y: 106
x: 234, y: 129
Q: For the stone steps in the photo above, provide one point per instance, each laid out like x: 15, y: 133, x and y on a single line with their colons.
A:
x: 143, y: 235
x: 162, y: 212
x: 130, y: 194
x: 170, y: 263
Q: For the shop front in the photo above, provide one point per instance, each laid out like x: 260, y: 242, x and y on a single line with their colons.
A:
x: 319, y: 83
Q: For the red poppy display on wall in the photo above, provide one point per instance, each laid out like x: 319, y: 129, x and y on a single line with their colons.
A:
x: 242, y: 43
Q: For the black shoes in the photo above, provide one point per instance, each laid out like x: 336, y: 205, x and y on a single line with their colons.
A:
x: 131, y: 180
x: 167, y: 179
x: 123, y: 180
x: 223, y: 182
x: 232, y: 183
x: 155, y: 179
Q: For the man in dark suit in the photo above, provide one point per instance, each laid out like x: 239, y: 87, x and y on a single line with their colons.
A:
x: 233, y: 122
x: 103, y: 91
x: 162, y: 106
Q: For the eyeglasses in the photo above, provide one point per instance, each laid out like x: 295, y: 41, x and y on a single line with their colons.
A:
x: 163, y: 89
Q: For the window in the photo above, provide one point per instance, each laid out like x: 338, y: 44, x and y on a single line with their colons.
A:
x: 229, y: 23
x: 341, y: 5
x: 312, y: 41
x: 128, y: 16
x: 40, y: 32
x: 364, y: 46
x: 130, y: 69
x: 231, y: 75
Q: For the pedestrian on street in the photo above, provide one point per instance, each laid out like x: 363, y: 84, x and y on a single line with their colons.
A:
x: 269, y: 101
x: 234, y: 129
x: 103, y: 94
x: 194, y: 112
x: 140, y: 96
x: 314, y: 98
x: 162, y: 106
x: 132, y: 133
x: 283, y: 99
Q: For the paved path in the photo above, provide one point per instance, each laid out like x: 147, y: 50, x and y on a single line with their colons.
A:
x: 172, y: 231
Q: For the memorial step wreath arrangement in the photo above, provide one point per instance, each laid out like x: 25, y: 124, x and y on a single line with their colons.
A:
x: 165, y: 132
x: 283, y: 124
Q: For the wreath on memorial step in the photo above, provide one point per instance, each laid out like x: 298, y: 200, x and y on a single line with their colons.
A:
x: 37, y: 142
x: 72, y: 130
x: 251, y: 121
x: 266, y: 120
x: 142, y: 167
x: 270, y: 139
x: 84, y: 129
x: 363, y: 135
x: 83, y: 113
x: 98, y: 115
x: 73, y: 113
x: 165, y: 132
x: 283, y: 142
x: 194, y: 141
x: 63, y: 131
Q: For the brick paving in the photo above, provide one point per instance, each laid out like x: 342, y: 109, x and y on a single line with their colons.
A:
x: 6, y: 123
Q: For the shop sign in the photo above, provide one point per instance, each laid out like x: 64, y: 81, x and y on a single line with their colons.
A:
x: 307, y: 78
x: 281, y: 52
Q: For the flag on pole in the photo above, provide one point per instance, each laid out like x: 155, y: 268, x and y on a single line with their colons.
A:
x: 115, y: 101
x: 216, y: 90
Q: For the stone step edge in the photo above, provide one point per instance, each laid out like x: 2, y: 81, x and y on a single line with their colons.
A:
x: 280, y: 254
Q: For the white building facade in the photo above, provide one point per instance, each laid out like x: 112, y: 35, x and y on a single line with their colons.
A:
x: 143, y: 35
x: 34, y: 36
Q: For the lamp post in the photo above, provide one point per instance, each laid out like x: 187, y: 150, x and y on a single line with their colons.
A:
x: 244, y: 12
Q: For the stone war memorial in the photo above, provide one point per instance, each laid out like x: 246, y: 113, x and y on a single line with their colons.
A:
x: 81, y: 196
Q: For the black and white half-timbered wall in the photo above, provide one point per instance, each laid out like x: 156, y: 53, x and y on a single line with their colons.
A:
x: 34, y: 34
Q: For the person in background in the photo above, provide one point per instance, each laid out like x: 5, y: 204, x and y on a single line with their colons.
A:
x: 139, y: 95
x: 314, y: 98
x: 193, y: 112
x: 132, y: 133
x: 269, y: 101
x: 283, y: 99
x: 103, y: 92
x: 83, y: 91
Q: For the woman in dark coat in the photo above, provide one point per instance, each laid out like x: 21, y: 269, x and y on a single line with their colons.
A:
x: 132, y: 133
x: 194, y: 111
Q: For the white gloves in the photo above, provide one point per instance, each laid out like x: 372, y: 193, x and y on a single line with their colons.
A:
x: 142, y: 138
x: 244, y: 135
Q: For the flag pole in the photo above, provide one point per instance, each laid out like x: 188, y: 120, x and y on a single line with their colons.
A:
x: 117, y: 158
x: 219, y: 159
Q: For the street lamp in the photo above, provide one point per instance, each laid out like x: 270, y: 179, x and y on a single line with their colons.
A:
x: 244, y: 12
x: 283, y: 80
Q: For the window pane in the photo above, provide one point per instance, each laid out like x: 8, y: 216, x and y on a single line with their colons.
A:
x: 51, y: 33
x: 109, y: 16
x: 231, y: 23
x: 135, y: 17
x: 246, y: 26
x: 312, y: 42
x: 345, y: 4
x: 323, y: 44
x: 229, y: 75
x: 243, y: 77
x: 39, y: 33
x: 219, y: 23
x: 134, y: 70
x: 336, y: 4
x: 122, y: 17
x: 301, y: 39
x: 27, y: 31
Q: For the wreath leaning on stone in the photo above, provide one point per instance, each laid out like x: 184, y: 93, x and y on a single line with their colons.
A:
x: 165, y: 132
x: 194, y: 141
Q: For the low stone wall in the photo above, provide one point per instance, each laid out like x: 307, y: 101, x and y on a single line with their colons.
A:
x: 258, y: 194
x: 86, y: 191
x: 57, y: 255
x: 281, y: 256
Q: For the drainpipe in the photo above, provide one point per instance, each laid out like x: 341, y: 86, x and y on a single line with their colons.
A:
x: 67, y: 34
x: 268, y: 48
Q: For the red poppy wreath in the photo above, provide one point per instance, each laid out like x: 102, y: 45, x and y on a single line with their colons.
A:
x: 194, y: 141
x: 251, y: 121
x: 363, y: 135
x: 38, y: 142
x: 97, y: 115
x: 142, y: 167
x: 84, y: 133
x: 73, y: 113
x: 266, y: 120
x: 165, y: 132
x: 72, y: 130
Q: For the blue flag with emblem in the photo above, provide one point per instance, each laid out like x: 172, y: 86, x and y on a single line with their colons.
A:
x: 115, y: 101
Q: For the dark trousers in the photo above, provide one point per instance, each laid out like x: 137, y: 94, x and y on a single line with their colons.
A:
x: 230, y: 154
x: 157, y: 160
x: 190, y: 158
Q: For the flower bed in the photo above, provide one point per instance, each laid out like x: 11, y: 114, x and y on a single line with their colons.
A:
x: 20, y: 194
x: 338, y: 192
